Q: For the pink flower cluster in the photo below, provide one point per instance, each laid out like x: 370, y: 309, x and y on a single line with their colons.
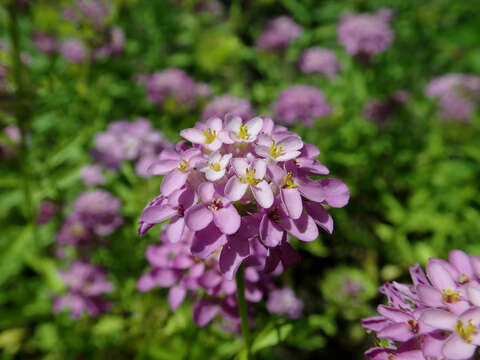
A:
x: 319, y: 60
x: 173, y: 266
x: 125, y: 140
x: 86, y: 284
x: 226, y: 104
x: 457, y: 94
x: 435, y: 318
x: 176, y: 84
x: 240, y: 187
x: 366, y: 34
x: 279, y: 33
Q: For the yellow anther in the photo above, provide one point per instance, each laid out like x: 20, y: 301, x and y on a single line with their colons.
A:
x: 249, y: 178
x: 209, y: 135
x: 77, y: 230
x: 466, y: 332
x: 183, y: 166
x: 243, y: 132
x: 288, y: 183
x: 450, y: 296
x: 215, y: 166
x: 275, y: 151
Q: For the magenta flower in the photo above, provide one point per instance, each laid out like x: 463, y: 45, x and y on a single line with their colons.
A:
x: 319, y: 60
x: 301, y: 104
x: 86, y: 284
x: 226, y: 104
x: 74, y: 50
x: 279, y: 34
x: 92, y: 175
x: 366, y: 34
x: 438, y: 317
x: 241, y: 189
x: 284, y: 301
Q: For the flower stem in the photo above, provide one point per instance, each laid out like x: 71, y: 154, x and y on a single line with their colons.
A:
x: 22, y: 104
x: 242, y: 309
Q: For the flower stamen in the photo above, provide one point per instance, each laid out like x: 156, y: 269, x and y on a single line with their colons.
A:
x: 243, y: 132
x: 466, y: 332
x: 209, y: 136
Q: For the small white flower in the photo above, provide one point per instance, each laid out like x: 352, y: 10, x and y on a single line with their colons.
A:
x: 240, y: 132
x: 217, y: 164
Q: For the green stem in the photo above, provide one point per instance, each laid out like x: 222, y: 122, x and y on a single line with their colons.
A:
x: 242, y: 309
x: 23, y: 99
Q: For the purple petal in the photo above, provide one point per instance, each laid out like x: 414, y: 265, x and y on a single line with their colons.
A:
x: 439, y: 276
x: 375, y: 323
x: 207, y: 241
x: 457, y: 349
x: 263, y: 194
x: 227, y: 219
x: 204, y: 311
x: 430, y: 296
x: 145, y: 282
x: 174, y: 180
x: 461, y: 262
x: 293, y: 202
x: 175, y: 229
x: 396, y: 332
x: 232, y: 255
x: 321, y: 216
x: 439, y: 319
x: 270, y: 233
x: 176, y: 295
x: 336, y: 192
x: 303, y: 228
x: 206, y: 191
x: 198, y: 217
x: 156, y: 214
x: 195, y: 136
x: 162, y: 167
x: 235, y: 189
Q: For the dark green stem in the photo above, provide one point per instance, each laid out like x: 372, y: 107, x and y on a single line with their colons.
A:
x: 23, y: 98
x: 242, y: 310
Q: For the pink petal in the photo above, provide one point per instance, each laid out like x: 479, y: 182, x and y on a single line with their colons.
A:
x: 232, y: 255
x: 474, y: 295
x: 162, y: 167
x: 240, y: 166
x: 156, y: 214
x: 254, y: 126
x: 270, y: 233
x: 198, y: 217
x: 214, y: 124
x: 195, y: 136
x: 293, y: 202
x: 303, y: 228
x: 176, y: 296
x: 235, y: 189
x: 312, y: 190
x: 263, y: 194
x: 439, y: 319
x: 145, y: 282
x: 174, y: 180
x: 457, y: 349
x: 321, y: 216
x: 260, y: 167
x: 291, y: 143
x: 375, y: 323
x: 473, y: 315
x: 393, y: 314
x: 204, y: 311
x: 207, y: 241
x: 206, y: 191
x: 440, y: 277
x: 227, y: 219
x: 461, y: 262
x: 336, y: 192
x: 430, y: 296
x: 175, y: 229
x: 396, y: 332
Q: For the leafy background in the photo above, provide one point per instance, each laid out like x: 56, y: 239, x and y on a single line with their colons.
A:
x: 414, y: 184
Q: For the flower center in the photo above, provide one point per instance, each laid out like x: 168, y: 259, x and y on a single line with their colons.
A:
x: 77, y: 230
x: 465, y: 332
x: 215, y: 166
x: 275, y: 215
x: 243, y: 132
x: 183, y: 166
x: 450, y: 296
x: 413, y: 326
x: 275, y: 151
x: 249, y: 177
x: 215, y: 205
x: 209, y: 136
x: 180, y: 211
x: 463, y: 278
x: 288, y: 183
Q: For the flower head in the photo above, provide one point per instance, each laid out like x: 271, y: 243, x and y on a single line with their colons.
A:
x: 319, y: 60
x: 280, y: 32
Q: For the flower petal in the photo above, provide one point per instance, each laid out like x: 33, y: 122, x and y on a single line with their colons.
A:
x: 439, y: 319
x: 235, y: 189
x: 204, y: 311
x: 321, y: 216
x: 303, y: 228
x: 156, y: 214
x: 175, y: 229
x: 207, y: 241
x: 227, y: 219
x: 198, y: 217
x: 270, y: 233
x: 263, y: 194
x: 260, y: 167
x: 176, y: 295
x: 174, y: 180
x: 336, y: 192
x: 293, y: 202
x: 254, y: 126
x: 206, y: 191
x: 457, y: 349
x: 195, y: 136
x: 162, y: 167
x: 240, y: 166
x: 233, y: 253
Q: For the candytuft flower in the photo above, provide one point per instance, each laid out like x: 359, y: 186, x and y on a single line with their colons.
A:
x: 280, y: 32
x: 438, y: 317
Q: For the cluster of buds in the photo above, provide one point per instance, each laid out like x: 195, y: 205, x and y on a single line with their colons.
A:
x: 435, y: 318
